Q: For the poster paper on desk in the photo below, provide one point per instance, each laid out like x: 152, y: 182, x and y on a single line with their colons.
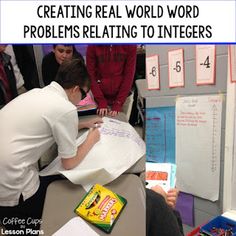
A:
x: 176, y: 68
x: 232, y: 59
x: 119, y: 148
x: 198, y: 135
x: 205, y: 64
x: 153, y: 72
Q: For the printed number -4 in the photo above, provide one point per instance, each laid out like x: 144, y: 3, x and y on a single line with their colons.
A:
x: 177, y: 66
x: 206, y: 62
x: 153, y: 72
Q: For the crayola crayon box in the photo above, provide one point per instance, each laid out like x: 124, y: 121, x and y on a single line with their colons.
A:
x: 101, y: 207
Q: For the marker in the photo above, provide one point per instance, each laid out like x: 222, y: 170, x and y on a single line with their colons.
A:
x: 96, y: 125
x: 112, y: 219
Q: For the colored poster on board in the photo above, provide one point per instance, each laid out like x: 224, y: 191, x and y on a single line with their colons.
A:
x: 185, y: 206
x: 160, y: 134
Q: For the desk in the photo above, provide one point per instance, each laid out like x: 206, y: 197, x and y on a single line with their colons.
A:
x: 63, y: 196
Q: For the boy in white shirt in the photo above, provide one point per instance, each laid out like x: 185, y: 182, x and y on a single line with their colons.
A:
x: 29, y: 125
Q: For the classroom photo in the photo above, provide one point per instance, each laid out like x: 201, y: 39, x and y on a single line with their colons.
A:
x: 118, y: 139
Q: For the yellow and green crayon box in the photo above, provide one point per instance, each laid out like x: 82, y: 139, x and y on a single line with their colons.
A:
x: 101, y: 207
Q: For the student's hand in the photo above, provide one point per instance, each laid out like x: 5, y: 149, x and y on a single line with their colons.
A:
x: 172, y: 196
x: 93, y: 135
x: 113, y: 113
x: 93, y: 123
x: 160, y: 190
x: 83, y: 149
x: 102, y: 112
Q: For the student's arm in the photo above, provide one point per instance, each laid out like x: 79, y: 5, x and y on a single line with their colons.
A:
x: 65, y: 133
x: 92, y: 138
x: 160, y: 219
x: 171, y: 196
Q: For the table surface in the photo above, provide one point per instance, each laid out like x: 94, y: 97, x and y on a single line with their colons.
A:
x: 63, y: 196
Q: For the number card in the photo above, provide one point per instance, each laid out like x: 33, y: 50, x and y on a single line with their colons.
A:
x: 232, y: 59
x: 205, y: 64
x: 176, y: 68
x: 152, y: 72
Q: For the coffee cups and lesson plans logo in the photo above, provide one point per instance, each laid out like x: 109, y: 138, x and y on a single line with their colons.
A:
x: 18, y: 226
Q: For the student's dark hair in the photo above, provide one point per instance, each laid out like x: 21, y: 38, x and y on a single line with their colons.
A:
x: 65, y: 45
x: 72, y: 73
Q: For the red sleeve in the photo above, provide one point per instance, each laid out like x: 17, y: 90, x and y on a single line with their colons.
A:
x: 91, y: 62
x: 128, y: 77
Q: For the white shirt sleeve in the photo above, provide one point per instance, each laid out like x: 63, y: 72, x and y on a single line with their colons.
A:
x: 65, y: 132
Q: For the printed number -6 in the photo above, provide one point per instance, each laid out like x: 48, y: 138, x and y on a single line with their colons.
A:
x: 153, y: 72
x: 177, y: 66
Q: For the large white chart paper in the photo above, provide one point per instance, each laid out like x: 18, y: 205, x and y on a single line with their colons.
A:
x: 198, y: 134
x: 119, y: 148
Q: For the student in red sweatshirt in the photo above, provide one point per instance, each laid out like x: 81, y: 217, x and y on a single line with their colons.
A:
x: 111, y: 69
